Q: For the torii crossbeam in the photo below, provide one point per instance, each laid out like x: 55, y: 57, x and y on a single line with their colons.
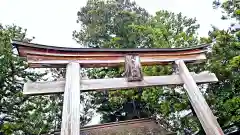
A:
x: 42, y: 56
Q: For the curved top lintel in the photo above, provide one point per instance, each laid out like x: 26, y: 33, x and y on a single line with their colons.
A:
x: 50, y: 56
x: 134, y: 50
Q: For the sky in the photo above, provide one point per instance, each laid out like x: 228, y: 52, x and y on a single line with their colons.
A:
x: 52, y: 22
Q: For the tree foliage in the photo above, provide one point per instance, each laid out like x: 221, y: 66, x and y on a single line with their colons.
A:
x: 21, y: 114
x: 224, y: 62
x: 100, y: 20
x: 103, y: 22
x: 231, y: 8
x: 122, y: 24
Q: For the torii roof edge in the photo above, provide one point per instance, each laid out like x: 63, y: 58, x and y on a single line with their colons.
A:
x: 41, y: 46
x: 129, y: 126
x: 50, y: 56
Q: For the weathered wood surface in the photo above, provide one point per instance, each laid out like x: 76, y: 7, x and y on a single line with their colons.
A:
x: 108, y: 61
x: 137, y: 126
x: 39, y: 56
x: 203, y: 111
x: 133, y: 68
x: 71, y: 104
x: 36, y: 88
x: 51, y: 49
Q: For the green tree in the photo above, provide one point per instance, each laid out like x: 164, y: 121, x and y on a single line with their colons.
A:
x: 224, y: 95
x: 21, y: 114
x: 231, y: 8
x: 167, y: 29
x: 105, y: 21
x: 122, y: 24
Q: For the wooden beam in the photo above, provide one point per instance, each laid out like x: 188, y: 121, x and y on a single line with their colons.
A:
x: 36, y: 61
x: 37, y: 88
x: 203, y: 111
x: 43, y: 56
x: 71, y: 104
x: 54, y: 49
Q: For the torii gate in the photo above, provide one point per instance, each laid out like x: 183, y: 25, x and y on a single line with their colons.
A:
x: 42, y: 56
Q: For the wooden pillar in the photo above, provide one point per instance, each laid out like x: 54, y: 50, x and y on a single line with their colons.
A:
x: 203, y: 111
x: 71, y: 104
